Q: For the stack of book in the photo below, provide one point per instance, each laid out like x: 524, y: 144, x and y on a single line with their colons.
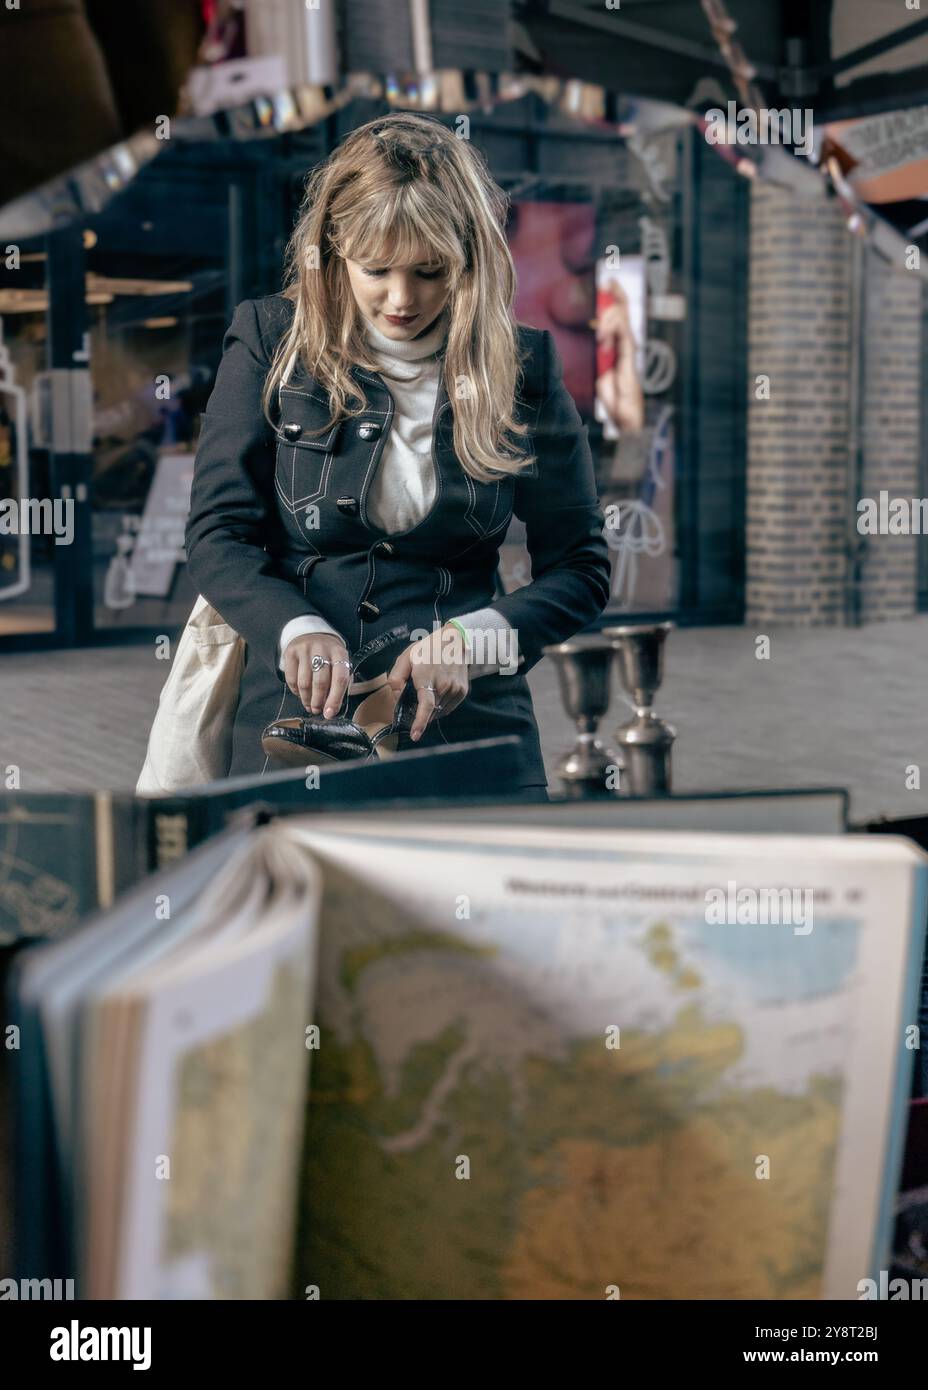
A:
x: 445, y: 1055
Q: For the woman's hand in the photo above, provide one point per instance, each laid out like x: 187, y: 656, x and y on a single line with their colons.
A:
x: 438, y: 660
x: 321, y: 691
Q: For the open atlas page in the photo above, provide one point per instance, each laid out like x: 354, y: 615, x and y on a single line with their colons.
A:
x: 585, y: 1064
x: 359, y: 1057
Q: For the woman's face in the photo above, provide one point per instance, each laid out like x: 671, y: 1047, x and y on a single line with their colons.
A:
x: 402, y: 301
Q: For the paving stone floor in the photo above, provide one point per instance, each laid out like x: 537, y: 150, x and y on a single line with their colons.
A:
x: 832, y: 706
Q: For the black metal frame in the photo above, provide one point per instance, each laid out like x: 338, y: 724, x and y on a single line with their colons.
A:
x: 805, y: 68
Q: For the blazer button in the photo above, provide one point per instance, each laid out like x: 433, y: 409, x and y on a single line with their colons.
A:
x: 292, y: 431
x: 366, y: 609
x: 348, y: 505
x: 369, y: 429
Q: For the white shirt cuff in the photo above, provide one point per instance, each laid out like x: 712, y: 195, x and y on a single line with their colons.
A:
x: 492, y: 643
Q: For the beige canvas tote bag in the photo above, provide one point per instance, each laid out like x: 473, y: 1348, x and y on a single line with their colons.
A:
x: 191, y: 738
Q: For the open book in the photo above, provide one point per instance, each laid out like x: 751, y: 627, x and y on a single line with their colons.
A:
x: 445, y: 1060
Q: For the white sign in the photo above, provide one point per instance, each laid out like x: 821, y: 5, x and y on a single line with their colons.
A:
x: 160, y: 541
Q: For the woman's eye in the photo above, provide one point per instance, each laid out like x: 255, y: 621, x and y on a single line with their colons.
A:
x: 424, y: 274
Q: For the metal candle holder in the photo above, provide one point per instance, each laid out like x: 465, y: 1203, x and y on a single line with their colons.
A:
x: 646, y: 740
x: 583, y: 667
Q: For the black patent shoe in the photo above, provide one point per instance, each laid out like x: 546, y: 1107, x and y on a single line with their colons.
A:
x: 370, y: 666
x: 377, y: 656
x: 313, y: 739
x: 368, y: 709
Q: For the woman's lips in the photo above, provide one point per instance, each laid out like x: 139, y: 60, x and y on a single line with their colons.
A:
x: 401, y: 319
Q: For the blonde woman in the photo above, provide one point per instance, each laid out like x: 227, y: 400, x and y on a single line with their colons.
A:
x: 371, y: 432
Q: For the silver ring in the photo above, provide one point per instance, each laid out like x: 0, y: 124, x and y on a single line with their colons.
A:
x: 342, y: 662
x: 318, y: 662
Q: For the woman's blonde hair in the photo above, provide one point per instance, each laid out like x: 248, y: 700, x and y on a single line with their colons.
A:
x: 393, y: 187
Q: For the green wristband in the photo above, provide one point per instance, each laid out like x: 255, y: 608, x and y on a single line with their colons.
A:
x: 453, y: 622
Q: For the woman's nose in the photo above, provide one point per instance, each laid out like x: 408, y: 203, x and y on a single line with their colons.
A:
x: 400, y: 294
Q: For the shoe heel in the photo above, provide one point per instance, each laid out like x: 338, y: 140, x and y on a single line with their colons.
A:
x: 384, y: 744
x: 407, y: 706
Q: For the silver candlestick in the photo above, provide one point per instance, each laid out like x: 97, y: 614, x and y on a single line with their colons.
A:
x: 583, y: 667
x: 646, y: 740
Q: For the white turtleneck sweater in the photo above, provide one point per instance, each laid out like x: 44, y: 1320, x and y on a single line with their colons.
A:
x: 402, y: 491
x: 403, y: 488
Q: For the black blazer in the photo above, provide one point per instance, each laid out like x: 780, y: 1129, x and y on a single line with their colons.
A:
x: 278, y: 528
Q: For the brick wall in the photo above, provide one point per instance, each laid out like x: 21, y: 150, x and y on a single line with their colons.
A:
x: 890, y: 430
x: 798, y: 335
x: 801, y: 490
